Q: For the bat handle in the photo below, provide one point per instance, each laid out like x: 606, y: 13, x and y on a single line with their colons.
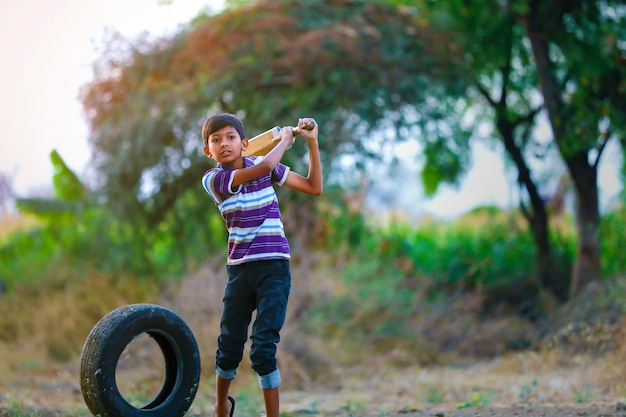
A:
x: 308, y: 126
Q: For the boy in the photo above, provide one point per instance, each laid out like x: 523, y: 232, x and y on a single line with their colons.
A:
x: 258, y: 252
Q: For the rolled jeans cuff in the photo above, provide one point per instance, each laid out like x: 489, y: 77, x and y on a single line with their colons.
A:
x: 225, y: 374
x: 270, y: 381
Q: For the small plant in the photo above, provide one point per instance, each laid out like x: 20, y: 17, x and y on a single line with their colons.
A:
x: 477, y: 399
x: 354, y: 407
x: 432, y: 395
x: 526, y: 392
x: 79, y: 411
x: 138, y: 396
x: 583, y: 394
x: 17, y: 408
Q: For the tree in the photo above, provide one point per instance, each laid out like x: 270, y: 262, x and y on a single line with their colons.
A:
x: 354, y: 65
x: 568, y: 52
x: 580, y: 66
x: 497, y: 65
x: 362, y: 68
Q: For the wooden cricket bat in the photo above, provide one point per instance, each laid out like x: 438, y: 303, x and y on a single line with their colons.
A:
x: 261, y: 144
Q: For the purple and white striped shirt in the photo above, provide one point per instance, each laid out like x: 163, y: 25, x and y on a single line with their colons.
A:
x: 251, y: 213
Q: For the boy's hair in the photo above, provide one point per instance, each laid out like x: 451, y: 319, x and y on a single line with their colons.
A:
x: 219, y: 121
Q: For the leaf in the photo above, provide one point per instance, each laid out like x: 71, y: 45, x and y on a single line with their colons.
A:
x: 44, y: 207
x: 67, y: 185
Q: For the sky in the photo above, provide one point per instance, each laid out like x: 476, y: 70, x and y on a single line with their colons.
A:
x: 47, y: 50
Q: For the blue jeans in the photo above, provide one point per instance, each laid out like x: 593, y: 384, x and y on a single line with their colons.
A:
x: 262, y: 286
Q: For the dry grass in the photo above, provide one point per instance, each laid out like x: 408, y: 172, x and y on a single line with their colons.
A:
x: 42, y: 331
x: 44, y: 326
x: 563, y: 225
x: 609, y: 374
x: 11, y: 224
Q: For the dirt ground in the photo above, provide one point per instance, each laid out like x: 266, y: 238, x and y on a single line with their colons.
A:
x: 308, y: 404
x: 593, y: 411
x: 517, y: 385
x: 344, y: 402
x: 511, y: 387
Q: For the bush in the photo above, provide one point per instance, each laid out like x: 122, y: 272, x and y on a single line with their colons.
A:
x: 613, y: 242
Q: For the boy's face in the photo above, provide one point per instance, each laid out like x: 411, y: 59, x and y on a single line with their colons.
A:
x: 225, y: 146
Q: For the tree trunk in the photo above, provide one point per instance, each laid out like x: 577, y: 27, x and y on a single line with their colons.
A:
x: 587, y: 264
x: 537, y: 217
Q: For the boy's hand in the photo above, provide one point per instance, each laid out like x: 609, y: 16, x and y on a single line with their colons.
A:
x: 286, y: 134
x: 310, y: 136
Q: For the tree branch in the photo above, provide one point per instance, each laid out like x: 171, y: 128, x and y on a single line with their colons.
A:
x: 486, y: 95
x: 606, y: 136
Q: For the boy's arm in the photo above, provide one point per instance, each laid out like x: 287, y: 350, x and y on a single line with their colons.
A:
x: 312, y: 183
x: 268, y: 163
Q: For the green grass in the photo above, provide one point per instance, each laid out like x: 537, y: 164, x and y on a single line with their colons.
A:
x: 527, y: 391
x: 16, y: 407
x: 478, y: 399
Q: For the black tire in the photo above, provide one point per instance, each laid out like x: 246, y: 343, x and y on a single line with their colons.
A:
x: 108, y: 339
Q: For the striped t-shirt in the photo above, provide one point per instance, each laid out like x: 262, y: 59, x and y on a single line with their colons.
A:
x: 251, y: 213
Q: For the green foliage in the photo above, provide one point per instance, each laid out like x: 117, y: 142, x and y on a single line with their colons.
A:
x: 112, y: 245
x: 445, y: 160
x: 392, y: 273
x: 67, y: 185
x: 584, y: 394
x: 526, y: 392
x: 478, y: 399
x: 18, y: 409
x: 70, y: 196
x: 45, y: 208
x: 85, y: 232
x: 567, y: 53
x: 428, y: 71
x: 355, y: 407
x: 432, y: 395
x: 25, y: 254
x: 464, y: 256
x: 613, y: 242
x: 345, y: 226
x: 360, y: 68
